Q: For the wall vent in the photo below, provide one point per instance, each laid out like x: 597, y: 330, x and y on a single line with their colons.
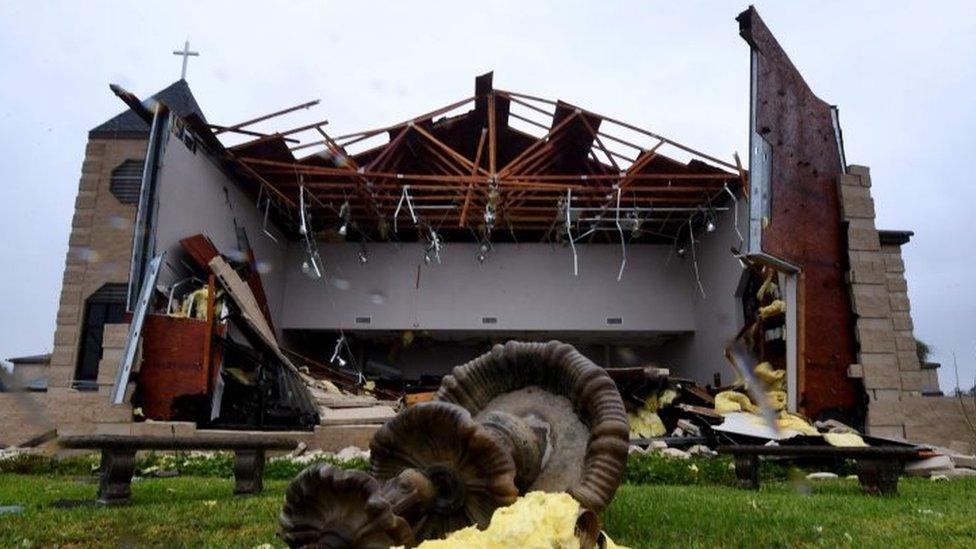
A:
x: 126, y: 181
x: 489, y: 320
x: 364, y: 320
x: 614, y: 321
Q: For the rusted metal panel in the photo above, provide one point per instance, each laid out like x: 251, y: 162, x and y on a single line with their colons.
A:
x: 172, y: 365
x: 802, y: 224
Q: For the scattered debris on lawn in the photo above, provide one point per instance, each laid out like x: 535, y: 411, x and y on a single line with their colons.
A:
x: 537, y: 519
x: 677, y: 418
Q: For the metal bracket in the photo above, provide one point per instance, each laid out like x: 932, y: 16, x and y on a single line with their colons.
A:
x: 135, y: 329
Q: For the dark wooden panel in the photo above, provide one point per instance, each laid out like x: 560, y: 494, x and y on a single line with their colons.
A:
x: 172, y: 364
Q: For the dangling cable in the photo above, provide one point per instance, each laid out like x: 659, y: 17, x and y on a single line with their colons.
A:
x: 312, y: 264
x: 694, y: 256
x: 336, y: 358
x: 735, y: 214
x: 623, y: 242
x: 267, y: 210
x: 404, y: 197
x: 302, y: 228
x: 569, y: 232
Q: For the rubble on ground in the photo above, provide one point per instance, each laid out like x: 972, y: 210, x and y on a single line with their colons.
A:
x: 676, y: 418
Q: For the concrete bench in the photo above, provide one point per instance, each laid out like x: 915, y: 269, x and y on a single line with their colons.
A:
x: 878, y: 467
x: 119, y: 453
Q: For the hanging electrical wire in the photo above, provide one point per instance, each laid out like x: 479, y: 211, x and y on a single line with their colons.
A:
x: 345, y: 217
x: 404, y: 197
x: 302, y: 228
x: 735, y: 214
x: 312, y: 265
x: 623, y: 242
x: 569, y: 231
x: 337, y: 353
x: 694, y: 256
x: 363, y: 253
x: 433, y: 245
x: 267, y: 210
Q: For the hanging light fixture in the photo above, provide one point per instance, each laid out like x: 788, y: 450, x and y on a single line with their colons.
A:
x: 302, y: 228
x: 344, y: 216
x: 337, y: 353
x: 483, y: 251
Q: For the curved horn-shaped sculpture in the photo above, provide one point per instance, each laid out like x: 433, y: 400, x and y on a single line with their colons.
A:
x: 472, y: 472
x: 524, y: 416
x: 331, y: 508
x: 559, y: 369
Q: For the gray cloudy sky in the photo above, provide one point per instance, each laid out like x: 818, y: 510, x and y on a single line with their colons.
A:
x: 903, y: 76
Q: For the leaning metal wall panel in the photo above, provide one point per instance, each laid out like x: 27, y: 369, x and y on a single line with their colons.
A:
x: 803, y: 225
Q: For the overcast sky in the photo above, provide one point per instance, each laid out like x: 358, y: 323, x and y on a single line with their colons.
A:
x: 903, y: 76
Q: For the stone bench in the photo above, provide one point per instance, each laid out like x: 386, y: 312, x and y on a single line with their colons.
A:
x: 119, y: 453
x: 878, y: 467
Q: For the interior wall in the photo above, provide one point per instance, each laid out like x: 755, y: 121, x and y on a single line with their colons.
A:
x: 196, y: 196
x: 521, y: 286
x: 718, y: 314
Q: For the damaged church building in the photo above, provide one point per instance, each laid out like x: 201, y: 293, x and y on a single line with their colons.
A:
x: 224, y: 278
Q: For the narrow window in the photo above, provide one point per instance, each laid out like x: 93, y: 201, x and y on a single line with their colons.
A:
x: 105, y: 306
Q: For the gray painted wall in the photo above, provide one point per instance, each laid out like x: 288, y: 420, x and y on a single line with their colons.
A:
x: 717, y: 315
x: 526, y: 287
x: 195, y: 196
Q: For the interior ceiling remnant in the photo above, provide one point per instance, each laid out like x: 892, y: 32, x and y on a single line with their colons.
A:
x: 512, y: 163
x: 802, y: 224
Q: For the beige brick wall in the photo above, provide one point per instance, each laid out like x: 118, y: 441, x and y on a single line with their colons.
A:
x: 888, y: 364
x: 943, y: 421
x: 99, y: 251
x: 913, y: 379
x: 69, y: 411
x: 99, y: 247
x: 870, y: 298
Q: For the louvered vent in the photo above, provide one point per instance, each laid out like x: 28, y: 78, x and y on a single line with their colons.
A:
x: 127, y: 180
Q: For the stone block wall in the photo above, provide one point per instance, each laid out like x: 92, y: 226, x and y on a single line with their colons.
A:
x: 99, y: 247
x: 878, y: 358
x: 881, y: 364
x: 910, y: 369
x: 99, y: 252
x: 26, y: 415
x: 888, y: 364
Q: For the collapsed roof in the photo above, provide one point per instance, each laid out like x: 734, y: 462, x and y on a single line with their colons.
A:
x: 513, y: 163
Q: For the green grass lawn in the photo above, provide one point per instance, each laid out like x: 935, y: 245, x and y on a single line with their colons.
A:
x: 201, y: 512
